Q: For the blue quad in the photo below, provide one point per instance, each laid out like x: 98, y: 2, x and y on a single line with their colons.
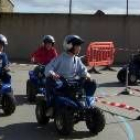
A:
x: 67, y: 106
x: 7, y: 99
x: 36, y: 83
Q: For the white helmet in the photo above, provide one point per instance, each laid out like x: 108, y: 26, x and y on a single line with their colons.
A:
x: 3, y: 40
x: 72, y: 40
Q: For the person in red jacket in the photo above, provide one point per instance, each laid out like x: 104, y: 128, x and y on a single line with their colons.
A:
x: 46, y: 52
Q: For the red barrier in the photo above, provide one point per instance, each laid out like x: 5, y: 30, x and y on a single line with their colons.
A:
x: 100, y: 54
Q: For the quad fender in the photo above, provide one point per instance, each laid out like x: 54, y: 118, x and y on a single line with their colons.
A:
x: 31, y: 72
x: 64, y: 101
x: 42, y: 90
x: 90, y: 101
x: 6, y: 88
x: 125, y: 66
x: 34, y: 78
x: 134, y: 70
x: 32, y: 75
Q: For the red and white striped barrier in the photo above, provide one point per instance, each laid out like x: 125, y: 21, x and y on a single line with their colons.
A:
x: 119, y: 105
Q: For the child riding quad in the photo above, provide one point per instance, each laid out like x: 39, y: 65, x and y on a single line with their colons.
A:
x: 133, y: 70
x: 7, y: 99
x: 42, y: 56
x: 36, y: 83
x: 68, y: 99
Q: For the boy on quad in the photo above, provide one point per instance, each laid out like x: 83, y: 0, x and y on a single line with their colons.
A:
x: 42, y: 56
x: 64, y: 109
x: 45, y: 52
x: 7, y: 99
x: 69, y: 65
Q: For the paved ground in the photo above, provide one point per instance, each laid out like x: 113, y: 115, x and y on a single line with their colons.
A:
x: 22, y: 124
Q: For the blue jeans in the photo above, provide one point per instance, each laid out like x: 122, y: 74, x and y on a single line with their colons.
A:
x: 89, y: 86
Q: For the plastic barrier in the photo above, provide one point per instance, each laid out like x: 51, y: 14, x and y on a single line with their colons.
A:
x: 100, y: 53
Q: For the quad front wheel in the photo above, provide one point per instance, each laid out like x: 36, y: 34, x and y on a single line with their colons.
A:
x: 95, y: 120
x: 40, y: 111
x: 64, y: 121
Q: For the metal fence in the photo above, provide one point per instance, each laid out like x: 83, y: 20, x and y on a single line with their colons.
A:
x: 127, y: 7
x: 107, y: 6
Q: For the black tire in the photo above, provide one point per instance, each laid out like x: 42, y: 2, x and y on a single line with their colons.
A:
x: 95, y: 120
x: 40, y: 112
x: 31, y: 91
x: 8, y: 103
x: 64, y: 121
x: 122, y: 75
x: 132, y: 79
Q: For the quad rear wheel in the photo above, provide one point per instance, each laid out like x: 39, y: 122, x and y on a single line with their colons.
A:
x: 8, y: 103
x: 40, y: 112
x: 122, y: 75
x: 132, y: 79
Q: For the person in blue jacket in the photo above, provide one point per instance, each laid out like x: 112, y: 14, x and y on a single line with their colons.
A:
x: 69, y: 65
x: 4, y: 62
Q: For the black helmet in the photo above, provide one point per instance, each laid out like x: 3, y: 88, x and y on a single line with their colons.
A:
x: 72, y: 40
x: 3, y: 40
x: 48, y: 39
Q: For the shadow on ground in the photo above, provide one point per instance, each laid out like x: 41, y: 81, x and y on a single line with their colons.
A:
x: 22, y: 99
x: 112, y: 84
x: 32, y: 131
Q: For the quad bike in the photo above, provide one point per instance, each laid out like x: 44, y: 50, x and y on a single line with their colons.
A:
x: 67, y: 106
x: 7, y: 99
x: 36, y: 83
x: 133, y: 68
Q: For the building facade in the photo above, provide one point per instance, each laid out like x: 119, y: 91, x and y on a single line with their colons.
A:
x: 6, y: 6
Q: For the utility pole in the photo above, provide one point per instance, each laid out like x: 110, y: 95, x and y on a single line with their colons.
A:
x: 70, y: 6
x: 127, y: 7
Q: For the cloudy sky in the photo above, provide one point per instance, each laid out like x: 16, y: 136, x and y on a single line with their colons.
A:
x: 78, y: 6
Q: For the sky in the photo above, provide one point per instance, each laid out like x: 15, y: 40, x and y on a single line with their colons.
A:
x: 78, y: 6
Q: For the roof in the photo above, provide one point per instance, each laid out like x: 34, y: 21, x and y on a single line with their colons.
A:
x: 11, y: 2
